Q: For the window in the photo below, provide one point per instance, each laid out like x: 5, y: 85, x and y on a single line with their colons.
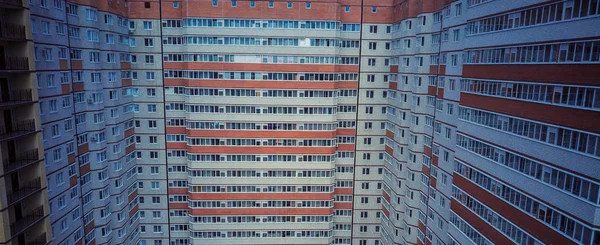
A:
x: 347, y: 8
x: 149, y: 59
x: 53, y: 107
x: 373, y: 45
x: 372, y: 29
x: 455, y: 35
x: 458, y: 9
x: 91, y: 14
x: 374, y: 9
x: 148, y: 42
x: 233, y: 3
x: 252, y: 4
x: 150, y: 75
x: 152, y: 108
x: 271, y: 4
x: 307, y: 5
x: 147, y: 25
x: 371, y: 62
x: 290, y: 5
x: 151, y: 92
x: 175, y: 5
x: 60, y: 180
x: 454, y: 59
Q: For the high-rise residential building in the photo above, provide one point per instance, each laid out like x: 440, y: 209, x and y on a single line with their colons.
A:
x: 23, y: 197
x: 363, y: 122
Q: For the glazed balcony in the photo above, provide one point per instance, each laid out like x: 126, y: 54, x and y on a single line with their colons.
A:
x: 24, y: 191
x: 17, y: 129
x: 22, y: 160
x: 15, y: 63
x: 17, y: 97
x: 12, y: 31
x: 26, y: 221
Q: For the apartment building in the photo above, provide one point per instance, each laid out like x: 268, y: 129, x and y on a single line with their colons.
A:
x: 300, y: 122
x: 23, y: 197
x: 492, y: 130
x: 84, y: 83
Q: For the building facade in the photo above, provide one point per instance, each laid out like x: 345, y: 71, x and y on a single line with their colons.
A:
x: 301, y: 122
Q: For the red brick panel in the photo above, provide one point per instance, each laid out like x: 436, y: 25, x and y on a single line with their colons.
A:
x: 580, y: 74
x: 568, y: 117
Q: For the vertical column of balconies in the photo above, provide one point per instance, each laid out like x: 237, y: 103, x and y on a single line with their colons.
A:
x: 24, y: 206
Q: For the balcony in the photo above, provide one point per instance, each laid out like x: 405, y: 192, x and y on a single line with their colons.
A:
x: 40, y: 240
x: 17, y: 97
x: 28, y: 220
x: 24, y: 191
x: 12, y: 31
x: 17, y: 129
x: 15, y: 63
x: 22, y: 160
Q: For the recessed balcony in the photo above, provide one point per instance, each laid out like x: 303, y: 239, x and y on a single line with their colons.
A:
x: 12, y: 31
x: 24, y: 191
x: 16, y: 130
x: 22, y: 160
x: 16, y: 97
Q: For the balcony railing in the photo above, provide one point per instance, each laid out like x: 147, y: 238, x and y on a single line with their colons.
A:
x: 17, y: 96
x: 17, y: 129
x: 12, y: 31
x: 40, y: 240
x: 15, y: 63
x: 24, y: 190
x: 23, y: 159
x: 34, y: 216
x: 12, y: 2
